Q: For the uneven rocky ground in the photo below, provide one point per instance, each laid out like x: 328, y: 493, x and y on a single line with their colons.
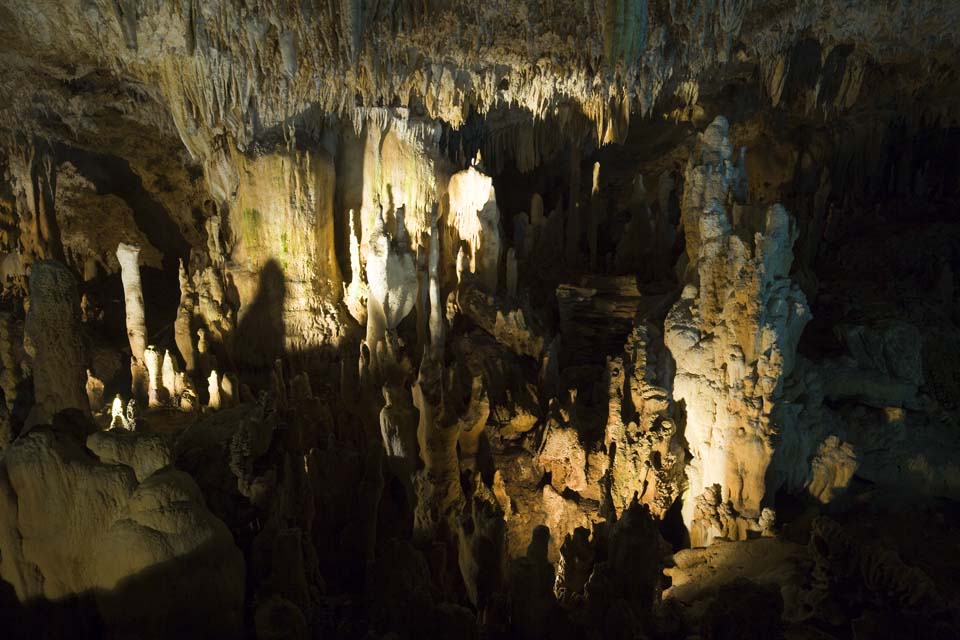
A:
x: 435, y: 319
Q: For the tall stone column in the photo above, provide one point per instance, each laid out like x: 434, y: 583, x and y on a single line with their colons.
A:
x: 53, y: 340
x: 128, y: 255
x: 733, y: 336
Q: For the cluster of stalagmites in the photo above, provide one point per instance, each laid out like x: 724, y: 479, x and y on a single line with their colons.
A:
x: 472, y: 454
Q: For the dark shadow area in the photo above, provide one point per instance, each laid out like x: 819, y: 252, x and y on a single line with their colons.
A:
x: 153, y: 603
x: 260, y: 336
x: 112, y: 174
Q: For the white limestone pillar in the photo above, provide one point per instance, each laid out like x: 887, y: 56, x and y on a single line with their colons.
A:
x: 128, y: 255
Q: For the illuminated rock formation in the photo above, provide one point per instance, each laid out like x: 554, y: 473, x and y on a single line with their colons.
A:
x: 398, y: 428
x: 156, y: 393
x: 641, y: 437
x: 94, y: 388
x: 183, y: 325
x: 476, y: 302
x: 733, y: 333
x: 392, y: 283
x: 138, y: 527
x: 475, y: 216
x: 129, y: 257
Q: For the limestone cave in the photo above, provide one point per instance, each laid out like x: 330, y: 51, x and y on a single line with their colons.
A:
x: 436, y: 319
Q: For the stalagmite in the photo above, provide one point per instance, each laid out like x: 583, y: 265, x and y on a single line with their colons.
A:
x: 433, y: 272
x: 213, y: 389
x: 537, y: 219
x: 734, y: 337
x: 128, y: 257
x: 646, y: 452
x: 463, y: 265
x: 52, y: 338
x: 392, y: 281
x: 168, y: 375
x: 133, y: 415
x: 475, y: 216
x: 155, y: 390
x: 398, y: 430
x: 473, y: 423
x: 183, y: 334
x: 230, y: 390
x: 511, y: 272
x: 423, y: 294
x: 355, y: 292
x: 438, y: 483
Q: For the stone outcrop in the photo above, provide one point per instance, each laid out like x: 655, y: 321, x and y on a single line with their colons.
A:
x: 140, y: 539
x: 646, y: 457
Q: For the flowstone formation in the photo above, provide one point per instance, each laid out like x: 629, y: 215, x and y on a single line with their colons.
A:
x: 733, y: 335
x: 510, y: 319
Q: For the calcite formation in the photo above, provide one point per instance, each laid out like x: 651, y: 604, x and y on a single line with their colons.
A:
x: 52, y: 339
x: 128, y: 256
x: 136, y: 524
x: 446, y: 319
x: 733, y: 333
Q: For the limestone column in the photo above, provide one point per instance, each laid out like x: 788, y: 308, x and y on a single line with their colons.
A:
x: 128, y: 256
x: 52, y: 338
x: 438, y: 482
x: 169, y: 375
x: 213, y: 389
x: 154, y: 377
x: 181, y: 326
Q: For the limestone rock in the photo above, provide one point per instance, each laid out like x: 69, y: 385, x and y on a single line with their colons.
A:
x: 475, y: 216
x: 52, y: 338
x: 646, y: 457
x: 733, y: 334
x: 511, y: 325
x: 144, y: 453
x: 831, y: 469
x: 129, y: 257
x: 149, y: 551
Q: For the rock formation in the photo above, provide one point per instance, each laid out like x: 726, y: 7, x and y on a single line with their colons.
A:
x: 734, y: 332
x: 128, y: 255
x: 137, y: 523
x: 448, y: 319
x: 54, y: 343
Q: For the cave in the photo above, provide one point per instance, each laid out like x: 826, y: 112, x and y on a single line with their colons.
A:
x: 510, y: 319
